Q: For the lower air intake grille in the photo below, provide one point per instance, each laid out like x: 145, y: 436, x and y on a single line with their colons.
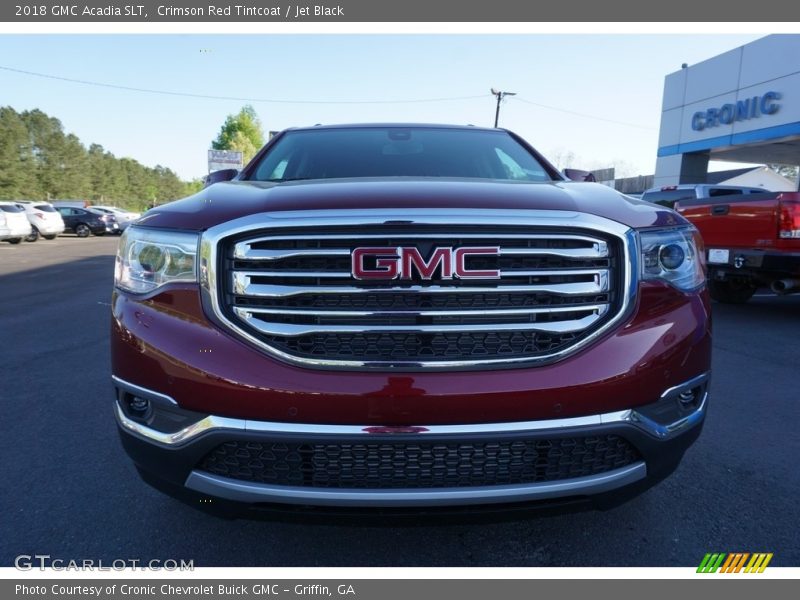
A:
x: 396, y: 465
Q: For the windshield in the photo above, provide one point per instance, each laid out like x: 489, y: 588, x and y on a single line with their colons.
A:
x: 398, y: 152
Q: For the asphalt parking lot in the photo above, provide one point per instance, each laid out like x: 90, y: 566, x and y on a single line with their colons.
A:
x: 70, y: 492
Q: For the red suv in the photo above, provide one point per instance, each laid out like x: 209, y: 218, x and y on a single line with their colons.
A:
x: 407, y: 317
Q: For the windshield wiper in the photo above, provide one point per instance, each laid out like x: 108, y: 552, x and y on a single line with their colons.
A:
x: 282, y: 179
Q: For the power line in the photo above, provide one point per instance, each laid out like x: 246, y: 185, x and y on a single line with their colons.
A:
x: 318, y: 102
x: 579, y: 114
x: 238, y: 99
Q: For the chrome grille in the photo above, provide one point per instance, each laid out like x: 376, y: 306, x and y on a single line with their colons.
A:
x: 289, y: 289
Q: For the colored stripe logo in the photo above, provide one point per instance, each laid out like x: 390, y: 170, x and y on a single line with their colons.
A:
x: 735, y: 562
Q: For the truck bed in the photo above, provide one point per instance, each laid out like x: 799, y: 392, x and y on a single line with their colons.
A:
x: 742, y: 221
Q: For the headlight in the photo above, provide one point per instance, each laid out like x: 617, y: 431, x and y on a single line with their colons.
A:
x: 148, y: 259
x: 675, y: 256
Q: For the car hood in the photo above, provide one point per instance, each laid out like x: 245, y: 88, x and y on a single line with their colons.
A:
x: 223, y: 202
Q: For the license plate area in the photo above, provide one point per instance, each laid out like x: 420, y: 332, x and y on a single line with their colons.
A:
x: 717, y: 256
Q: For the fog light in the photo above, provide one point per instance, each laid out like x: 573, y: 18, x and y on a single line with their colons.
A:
x: 138, y: 406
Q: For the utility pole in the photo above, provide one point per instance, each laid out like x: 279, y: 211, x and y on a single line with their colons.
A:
x: 500, y: 95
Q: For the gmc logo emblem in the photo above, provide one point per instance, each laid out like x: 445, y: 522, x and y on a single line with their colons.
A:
x: 400, y: 263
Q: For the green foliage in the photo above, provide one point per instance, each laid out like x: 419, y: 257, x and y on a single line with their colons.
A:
x: 242, y: 132
x: 38, y: 161
x: 788, y: 171
x: 17, y: 165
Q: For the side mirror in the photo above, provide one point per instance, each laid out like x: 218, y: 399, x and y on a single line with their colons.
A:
x: 218, y: 176
x: 579, y: 175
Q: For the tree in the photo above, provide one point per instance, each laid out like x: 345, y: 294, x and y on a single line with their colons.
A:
x: 788, y: 171
x: 39, y: 161
x: 17, y: 176
x: 241, y: 132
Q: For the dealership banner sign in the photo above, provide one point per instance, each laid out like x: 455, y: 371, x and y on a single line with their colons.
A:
x: 224, y: 159
x: 344, y: 11
x: 741, y: 110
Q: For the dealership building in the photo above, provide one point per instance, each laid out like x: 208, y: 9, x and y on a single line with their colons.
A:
x: 742, y: 106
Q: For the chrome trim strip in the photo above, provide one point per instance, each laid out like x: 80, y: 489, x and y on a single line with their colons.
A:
x: 209, y: 278
x: 243, y: 491
x: 597, y: 273
x: 687, y: 385
x: 423, y: 313
x: 243, y: 286
x: 179, y: 437
x: 239, y: 276
x: 671, y: 430
x: 213, y: 422
x: 244, y: 250
x: 598, y: 250
x: 137, y: 390
x: 291, y: 329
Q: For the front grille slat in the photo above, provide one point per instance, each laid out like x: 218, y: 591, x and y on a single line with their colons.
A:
x: 243, y: 285
x: 312, y: 245
x: 288, y: 329
x: 419, y: 464
x: 290, y: 289
x: 422, y: 313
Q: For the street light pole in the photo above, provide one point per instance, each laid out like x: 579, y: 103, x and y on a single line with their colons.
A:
x: 500, y: 95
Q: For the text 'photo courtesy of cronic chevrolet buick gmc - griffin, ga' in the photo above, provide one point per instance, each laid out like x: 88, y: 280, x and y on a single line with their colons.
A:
x: 408, y: 319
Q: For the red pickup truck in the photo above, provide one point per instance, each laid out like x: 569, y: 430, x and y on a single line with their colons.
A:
x: 408, y: 318
x: 751, y: 241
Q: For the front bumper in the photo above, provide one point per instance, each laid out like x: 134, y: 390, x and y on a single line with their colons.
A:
x: 14, y: 230
x: 170, y: 447
x: 48, y: 227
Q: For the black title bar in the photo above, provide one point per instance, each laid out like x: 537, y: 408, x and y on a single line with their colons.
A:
x: 344, y: 11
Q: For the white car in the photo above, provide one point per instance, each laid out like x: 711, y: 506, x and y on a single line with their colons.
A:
x: 45, y: 220
x: 124, y: 217
x: 14, y: 225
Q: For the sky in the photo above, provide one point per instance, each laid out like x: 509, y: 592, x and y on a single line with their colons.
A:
x: 597, y: 97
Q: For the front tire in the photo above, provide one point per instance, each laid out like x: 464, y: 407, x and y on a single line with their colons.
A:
x: 82, y: 230
x: 732, y: 291
x: 34, y: 235
x: 14, y: 240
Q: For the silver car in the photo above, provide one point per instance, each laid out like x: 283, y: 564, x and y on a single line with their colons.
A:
x: 124, y: 217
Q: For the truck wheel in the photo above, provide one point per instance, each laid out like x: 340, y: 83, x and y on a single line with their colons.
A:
x: 82, y: 230
x: 735, y: 291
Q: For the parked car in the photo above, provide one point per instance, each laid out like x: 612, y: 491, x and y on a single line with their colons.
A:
x: 752, y: 241
x: 124, y: 217
x: 85, y: 221
x: 408, y: 318
x: 45, y: 220
x: 70, y: 203
x: 14, y: 225
x: 668, y: 195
